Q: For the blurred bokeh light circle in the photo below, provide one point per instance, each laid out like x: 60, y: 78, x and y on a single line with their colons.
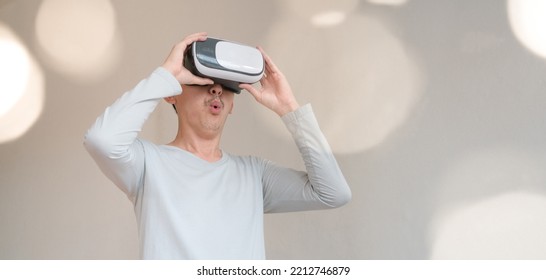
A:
x: 528, y: 21
x: 78, y: 37
x: 360, y: 79
x: 22, y: 87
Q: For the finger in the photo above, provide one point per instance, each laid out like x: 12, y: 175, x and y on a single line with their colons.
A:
x: 264, y: 81
x: 247, y: 87
x: 267, y: 61
x: 201, y: 36
x: 196, y: 37
x: 269, y: 64
x: 268, y: 71
x: 196, y: 80
x: 252, y: 90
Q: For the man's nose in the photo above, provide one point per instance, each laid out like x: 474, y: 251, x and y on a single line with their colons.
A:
x: 216, y: 90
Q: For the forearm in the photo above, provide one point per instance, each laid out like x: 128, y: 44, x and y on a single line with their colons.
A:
x: 323, y: 171
x: 322, y: 186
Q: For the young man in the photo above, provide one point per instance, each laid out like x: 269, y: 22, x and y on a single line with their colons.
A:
x: 193, y: 200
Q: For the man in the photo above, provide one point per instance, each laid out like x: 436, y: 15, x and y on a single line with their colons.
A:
x: 193, y: 200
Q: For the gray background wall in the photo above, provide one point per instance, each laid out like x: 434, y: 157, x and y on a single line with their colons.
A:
x: 434, y: 109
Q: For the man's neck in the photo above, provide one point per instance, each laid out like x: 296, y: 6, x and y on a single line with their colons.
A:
x: 206, y: 148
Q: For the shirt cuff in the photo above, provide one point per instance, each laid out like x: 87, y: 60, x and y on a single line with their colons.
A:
x: 300, y: 113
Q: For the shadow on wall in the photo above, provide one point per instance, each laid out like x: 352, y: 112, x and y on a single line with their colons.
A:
x: 348, y: 78
x: 430, y: 127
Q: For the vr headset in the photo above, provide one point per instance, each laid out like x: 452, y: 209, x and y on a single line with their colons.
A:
x: 226, y: 63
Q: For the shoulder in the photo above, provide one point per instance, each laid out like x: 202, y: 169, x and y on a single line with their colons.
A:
x: 149, y: 149
x: 146, y: 145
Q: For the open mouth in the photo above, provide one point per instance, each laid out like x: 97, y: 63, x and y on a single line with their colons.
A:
x: 216, y: 106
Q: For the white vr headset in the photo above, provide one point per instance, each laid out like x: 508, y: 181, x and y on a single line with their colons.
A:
x: 226, y: 63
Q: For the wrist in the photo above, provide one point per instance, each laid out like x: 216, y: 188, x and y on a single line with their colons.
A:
x: 293, y: 106
x: 171, y: 68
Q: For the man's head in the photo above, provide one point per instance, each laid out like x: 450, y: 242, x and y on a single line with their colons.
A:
x: 203, y: 109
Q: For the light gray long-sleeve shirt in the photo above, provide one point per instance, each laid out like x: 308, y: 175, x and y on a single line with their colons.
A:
x: 188, y: 208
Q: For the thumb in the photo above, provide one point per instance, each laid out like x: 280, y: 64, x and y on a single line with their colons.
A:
x: 256, y: 93
x: 250, y: 89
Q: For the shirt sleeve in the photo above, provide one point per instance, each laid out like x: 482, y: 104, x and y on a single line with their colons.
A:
x: 322, y: 186
x: 112, y: 139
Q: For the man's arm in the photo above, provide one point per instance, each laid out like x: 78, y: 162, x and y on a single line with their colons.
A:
x: 112, y: 139
x: 323, y: 185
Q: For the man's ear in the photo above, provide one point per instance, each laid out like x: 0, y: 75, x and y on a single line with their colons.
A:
x: 170, y: 100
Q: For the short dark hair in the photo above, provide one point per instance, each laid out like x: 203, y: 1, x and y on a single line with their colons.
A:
x: 175, y: 108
